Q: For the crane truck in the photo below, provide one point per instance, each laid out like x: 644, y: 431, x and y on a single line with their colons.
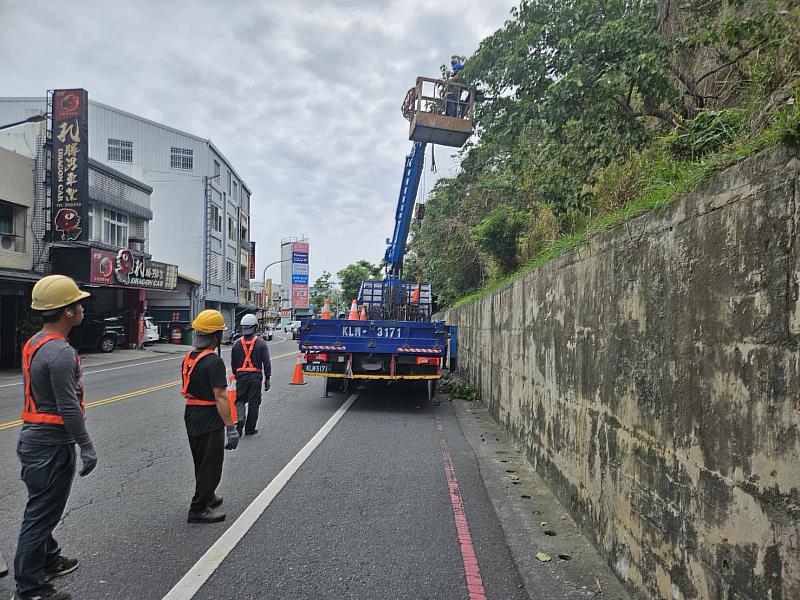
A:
x: 398, y: 340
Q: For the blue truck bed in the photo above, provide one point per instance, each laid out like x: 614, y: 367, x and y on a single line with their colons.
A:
x: 373, y: 349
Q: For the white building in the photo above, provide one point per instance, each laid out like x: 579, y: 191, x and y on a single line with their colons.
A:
x: 200, y: 204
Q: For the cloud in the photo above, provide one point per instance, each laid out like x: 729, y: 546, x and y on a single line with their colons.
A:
x: 302, y: 97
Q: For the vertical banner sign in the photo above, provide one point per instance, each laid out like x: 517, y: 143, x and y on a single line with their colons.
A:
x: 252, y: 260
x: 299, y: 275
x: 70, y: 164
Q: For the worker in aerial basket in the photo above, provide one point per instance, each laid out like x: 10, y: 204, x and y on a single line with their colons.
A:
x: 249, y: 359
x: 52, y: 423
x: 209, y: 415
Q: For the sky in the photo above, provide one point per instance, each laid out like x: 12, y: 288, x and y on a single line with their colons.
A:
x: 302, y: 96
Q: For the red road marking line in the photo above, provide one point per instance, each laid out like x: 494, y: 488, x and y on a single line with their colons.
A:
x: 471, y: 569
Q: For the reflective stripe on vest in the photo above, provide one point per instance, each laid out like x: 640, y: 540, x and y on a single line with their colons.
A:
x: 187, y: 368
x: 247, y: 365
x: 30, y: 413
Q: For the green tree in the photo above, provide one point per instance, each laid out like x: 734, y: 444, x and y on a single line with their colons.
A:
x: 351, y: 276
x: 323, y: 287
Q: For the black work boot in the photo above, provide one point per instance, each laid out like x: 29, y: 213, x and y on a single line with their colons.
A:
x: 216, y: 502
x: 47, y: 592
x: 250, y: 431
x: 239, y: 427
x: 61, y: 566
x: 207, y: 515
x: 3, y: 566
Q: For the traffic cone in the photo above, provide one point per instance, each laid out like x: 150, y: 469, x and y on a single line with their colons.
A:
x: 415, y: 295
x: 363, y: 316
x: 232, y: 396
x: 353, y: 316
x: 326, y: 309
x: 297, y: 376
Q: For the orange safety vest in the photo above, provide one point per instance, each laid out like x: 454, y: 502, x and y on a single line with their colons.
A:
x: 247, y: 365
x: 30, y: 413
x: 189, y: 364
x: 187, y: 368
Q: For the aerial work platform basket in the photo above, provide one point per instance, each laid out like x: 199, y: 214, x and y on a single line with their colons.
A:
x: 440, y: 112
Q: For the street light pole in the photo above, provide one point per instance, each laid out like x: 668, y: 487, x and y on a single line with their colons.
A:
x: 264, y: 276
x: 34, y: 119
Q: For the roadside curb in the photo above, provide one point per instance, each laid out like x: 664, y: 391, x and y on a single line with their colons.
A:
x: 526, y: 508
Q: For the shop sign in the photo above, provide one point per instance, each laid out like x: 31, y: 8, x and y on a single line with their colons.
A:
x: 286, y: 312
x: 70, y: 164
x: 299, y: 275
x: 123, y: 268
x: 252, y: 260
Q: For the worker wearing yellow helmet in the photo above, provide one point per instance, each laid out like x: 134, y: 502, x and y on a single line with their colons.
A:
x: 53, y: 422
x: 209, y: 416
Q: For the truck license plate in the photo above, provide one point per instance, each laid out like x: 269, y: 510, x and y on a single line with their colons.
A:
x: 321, y: 368
x: 381, y: 332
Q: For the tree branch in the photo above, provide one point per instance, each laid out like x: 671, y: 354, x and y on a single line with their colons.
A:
x: 741, y: 55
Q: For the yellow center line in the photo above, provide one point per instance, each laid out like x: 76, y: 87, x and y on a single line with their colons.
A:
x: 155, y: 388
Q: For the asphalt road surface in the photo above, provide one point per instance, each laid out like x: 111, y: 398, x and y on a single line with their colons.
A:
x: 372, y: 494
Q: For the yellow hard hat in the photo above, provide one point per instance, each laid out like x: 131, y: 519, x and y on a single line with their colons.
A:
x: 56, y: 291
x: 209, y: 321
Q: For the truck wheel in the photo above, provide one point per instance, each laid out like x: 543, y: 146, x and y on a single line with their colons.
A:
x: 107, y: 344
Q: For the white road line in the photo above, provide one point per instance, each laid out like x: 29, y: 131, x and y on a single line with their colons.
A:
x: 191, y: 583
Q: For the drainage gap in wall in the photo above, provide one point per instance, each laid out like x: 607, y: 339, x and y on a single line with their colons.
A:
x: 550, y: 532
x: 564, y: 557
x: 525, y: 496
x: 510, y: 471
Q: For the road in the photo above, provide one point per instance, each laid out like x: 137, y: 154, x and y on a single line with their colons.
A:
x: 372, y: 494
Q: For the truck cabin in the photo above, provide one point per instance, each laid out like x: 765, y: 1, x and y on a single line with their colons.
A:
x: 440, y: 111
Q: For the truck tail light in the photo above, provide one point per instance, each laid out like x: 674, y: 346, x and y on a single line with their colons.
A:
x: 316, y: 357
x: 428, y: 360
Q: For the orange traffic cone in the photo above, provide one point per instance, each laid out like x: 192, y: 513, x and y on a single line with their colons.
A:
x: 326, y: 309
x: 353, y: 316
x: 232, y: 397
x: 363, y: 316
x: 297, y: 376
x: 415, y: 295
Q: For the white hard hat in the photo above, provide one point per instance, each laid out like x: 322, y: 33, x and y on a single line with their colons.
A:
x: 249, y: 321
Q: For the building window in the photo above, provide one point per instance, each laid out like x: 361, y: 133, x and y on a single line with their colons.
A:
x: 244, y: 234
x: 181, y: 158
x: 229, y: 271
x: 235, y: 192
x: 216, y: 170
x: 230, y: 182
x: 120, y: 150
x: 231, y: 228
x: 115, y: 228
x: 213, y: 267
x: 216, y: 219
x: 90, y: 221
x: 6, y: 219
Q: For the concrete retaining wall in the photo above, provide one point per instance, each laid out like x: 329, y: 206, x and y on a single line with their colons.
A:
x: 652, y: 377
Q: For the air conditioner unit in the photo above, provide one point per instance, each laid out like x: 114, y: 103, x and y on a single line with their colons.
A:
x: 7, y: 241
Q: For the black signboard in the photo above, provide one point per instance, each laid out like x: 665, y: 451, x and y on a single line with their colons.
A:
x: 70, y: 164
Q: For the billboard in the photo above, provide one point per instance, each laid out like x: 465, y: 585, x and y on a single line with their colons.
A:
x: 70, y: 165
x: 299, y: 284
x: 123, y: 268
x: 252, y: 260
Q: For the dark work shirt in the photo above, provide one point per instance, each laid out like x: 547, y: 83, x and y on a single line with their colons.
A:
x: 260, y: 357
x: 209, y: 373
x: 56, y: 388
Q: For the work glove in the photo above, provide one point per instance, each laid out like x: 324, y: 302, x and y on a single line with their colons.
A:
x: 231, y: 437
x: 267, y: 384
x: 88, y: 458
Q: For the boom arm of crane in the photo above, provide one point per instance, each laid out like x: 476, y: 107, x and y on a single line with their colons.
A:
x: 409, y: 186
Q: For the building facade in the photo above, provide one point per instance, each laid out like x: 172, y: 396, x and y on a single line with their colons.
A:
x: 200, y: 205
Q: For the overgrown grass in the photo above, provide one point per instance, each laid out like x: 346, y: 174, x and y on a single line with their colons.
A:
x: 651, y: 180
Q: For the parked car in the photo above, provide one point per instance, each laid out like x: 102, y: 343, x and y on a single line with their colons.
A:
x: 99, y: 331
x: 151, y: 333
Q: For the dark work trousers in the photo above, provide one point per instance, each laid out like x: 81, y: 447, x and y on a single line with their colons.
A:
x: 248, y: 394
x: 208, y: 452
x: 48, y: 472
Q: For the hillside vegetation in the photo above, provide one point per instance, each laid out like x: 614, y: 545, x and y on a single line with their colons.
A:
x: 599, y: 111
